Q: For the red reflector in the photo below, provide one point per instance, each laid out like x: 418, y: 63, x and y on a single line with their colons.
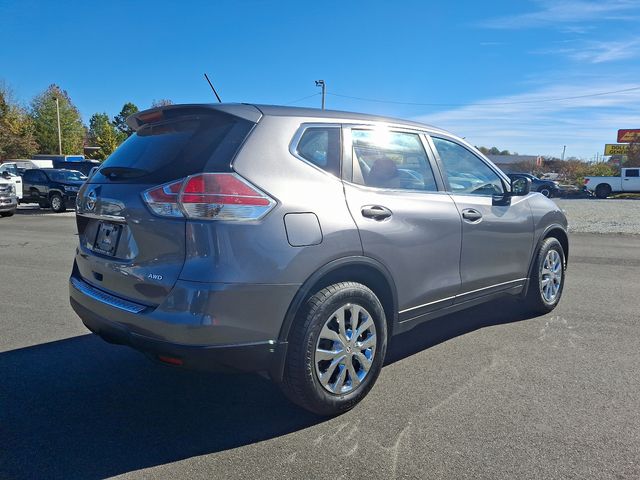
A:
x: 170, y: 360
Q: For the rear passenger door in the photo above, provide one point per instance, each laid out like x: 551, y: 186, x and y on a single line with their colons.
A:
x: 34, y: 185
x: 405, y: 219
x: 497, y: 240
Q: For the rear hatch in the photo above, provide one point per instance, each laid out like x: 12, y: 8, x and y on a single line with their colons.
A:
x: 125, y: 248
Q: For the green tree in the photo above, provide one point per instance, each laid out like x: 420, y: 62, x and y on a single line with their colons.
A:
x: 103, y: 134
x: 163, y: 102
x: 43, y: 113
x: 16, y: 128
x: 120, y: 120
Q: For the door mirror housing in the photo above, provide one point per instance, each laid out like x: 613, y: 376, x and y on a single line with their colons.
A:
x: 520, y: 186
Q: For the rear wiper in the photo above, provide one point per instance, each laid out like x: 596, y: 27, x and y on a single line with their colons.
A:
x: 115, y: 173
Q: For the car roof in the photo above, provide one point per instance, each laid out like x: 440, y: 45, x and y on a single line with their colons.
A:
x: 253, y: 112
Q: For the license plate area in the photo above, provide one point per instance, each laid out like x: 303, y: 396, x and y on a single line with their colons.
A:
x: 107, y: 238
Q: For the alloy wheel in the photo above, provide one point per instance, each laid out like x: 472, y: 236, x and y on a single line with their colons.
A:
x: 551, y: 277
x: 345, y: 349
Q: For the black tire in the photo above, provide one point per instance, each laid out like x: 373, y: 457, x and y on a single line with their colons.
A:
x: 57, y: 203
x: 603, y: 191
x: 535, y: 298
x: 7, y: 214
x: 545, y: 191
x: 301, y: 383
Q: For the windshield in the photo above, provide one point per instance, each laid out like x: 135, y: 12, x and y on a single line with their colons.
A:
x: 66, y: 176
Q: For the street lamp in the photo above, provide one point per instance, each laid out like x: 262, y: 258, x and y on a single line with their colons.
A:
x: 320, y: 83
x: 59, y: 132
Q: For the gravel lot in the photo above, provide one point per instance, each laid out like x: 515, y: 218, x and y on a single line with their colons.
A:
x: 602, y: 216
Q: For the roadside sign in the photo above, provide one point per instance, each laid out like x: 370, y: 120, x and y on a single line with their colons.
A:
x: 616, y: 149
x: 629, y: 135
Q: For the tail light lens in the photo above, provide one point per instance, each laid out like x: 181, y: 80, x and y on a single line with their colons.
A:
x: 209, y: 196
x: 586, y: 180
x: 163, y: 200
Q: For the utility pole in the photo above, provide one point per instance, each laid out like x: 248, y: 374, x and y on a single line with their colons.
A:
x: 564, y: 148
x: 59, y: 132
x: 320, y: 83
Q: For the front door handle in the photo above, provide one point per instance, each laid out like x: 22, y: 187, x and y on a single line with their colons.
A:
x: 376, y: 212
x: 471, y: 215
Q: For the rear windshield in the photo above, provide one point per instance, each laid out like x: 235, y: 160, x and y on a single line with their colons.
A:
x: 66, y: 176
x: 170, y: 150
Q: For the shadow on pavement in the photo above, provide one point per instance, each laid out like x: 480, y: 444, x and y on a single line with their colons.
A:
x: 34, y: 209
x: 81, y: 408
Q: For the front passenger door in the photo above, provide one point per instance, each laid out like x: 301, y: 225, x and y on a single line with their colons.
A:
x: 497, y: 240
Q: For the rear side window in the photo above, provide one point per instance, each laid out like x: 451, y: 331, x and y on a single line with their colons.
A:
x: 633, y: 173
x: 174, y: 149
x: 321, y: 146
x: 395, y: 160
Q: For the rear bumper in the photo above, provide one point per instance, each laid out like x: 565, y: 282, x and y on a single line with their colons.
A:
x: 197, y: 341
x: 265, y: 357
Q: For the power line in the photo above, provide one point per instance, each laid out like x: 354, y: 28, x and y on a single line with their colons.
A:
x: 303, y: 98
x: 544, y: 100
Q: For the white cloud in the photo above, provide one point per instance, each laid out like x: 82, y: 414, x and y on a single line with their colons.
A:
x: 584, y: 125
x: 562, y: 12
x: 595, y: 52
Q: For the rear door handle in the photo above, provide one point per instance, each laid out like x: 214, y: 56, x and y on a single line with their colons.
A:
x: 376, y: 212
x: 471, y: 215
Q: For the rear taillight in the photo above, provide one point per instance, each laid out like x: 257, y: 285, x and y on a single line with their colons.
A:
x: 163, y: 200
x: 209, y: 196
x: 586, y: 180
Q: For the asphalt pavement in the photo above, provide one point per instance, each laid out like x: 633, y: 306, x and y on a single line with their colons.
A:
x: 487, y: 393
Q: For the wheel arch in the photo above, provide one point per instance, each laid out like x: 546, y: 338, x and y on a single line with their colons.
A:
x: 556, y: 231
x: 365, y: 270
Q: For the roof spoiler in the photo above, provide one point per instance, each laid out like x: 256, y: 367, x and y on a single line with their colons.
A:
x: 154, y: 115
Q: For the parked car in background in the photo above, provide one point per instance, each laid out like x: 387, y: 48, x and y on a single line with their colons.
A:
x: 548, y: 188
x: 50, y: 187
x: 11, y: 174
x: 8, y: 198
x: 627, y: 182
x: 296, y: 242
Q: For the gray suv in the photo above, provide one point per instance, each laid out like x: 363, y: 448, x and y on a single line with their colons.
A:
x: 295, y: 242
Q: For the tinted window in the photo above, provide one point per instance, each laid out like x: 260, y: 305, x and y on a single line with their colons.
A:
x: 175, y: 149
x: 66, y: 175
x: 466, y: 173
x: 632, y: 173
x: 321, y: 146
x: 386, y: 159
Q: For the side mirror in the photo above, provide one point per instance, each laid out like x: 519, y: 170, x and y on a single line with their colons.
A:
x: 6, y: 174
x: 520, y: 186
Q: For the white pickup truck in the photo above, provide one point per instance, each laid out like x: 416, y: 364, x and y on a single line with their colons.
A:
x: 628, y: 181
x: 9, y: 173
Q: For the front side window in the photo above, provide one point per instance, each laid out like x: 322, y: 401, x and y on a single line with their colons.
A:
x: 466, y: 173
x: 387, y: 159
x: 321, y: 146
x: 632, y: 172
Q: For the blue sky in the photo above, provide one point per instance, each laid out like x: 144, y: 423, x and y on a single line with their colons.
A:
x: 489, y: 71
